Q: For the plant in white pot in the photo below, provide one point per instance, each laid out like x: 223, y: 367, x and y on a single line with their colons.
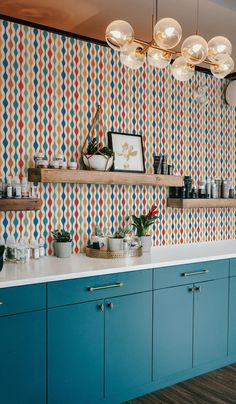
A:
x: 62, y: 243
x: 115, y: 242
x: 98, y: 157
x: 142, y: 224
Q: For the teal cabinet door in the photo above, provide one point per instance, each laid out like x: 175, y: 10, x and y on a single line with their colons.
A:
x: 172, y: 330
x: 128, y: 342
x: 23, y: 358
x: 210, y: 321
x: 76, y: 353
x: 232, y: 317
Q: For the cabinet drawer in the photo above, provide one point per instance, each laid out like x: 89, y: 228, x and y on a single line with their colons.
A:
x: 98, y: 287
x: 190, y: 273
x: 20, y: 299
x: 233, y: 267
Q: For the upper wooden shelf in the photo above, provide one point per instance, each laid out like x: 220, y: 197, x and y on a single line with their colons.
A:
x: 101, y: 177
x: 201, y: 203
x: 13, y: 204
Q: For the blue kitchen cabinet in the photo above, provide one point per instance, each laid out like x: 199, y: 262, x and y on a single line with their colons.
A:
x: 23, y: 344
x: 210, y: 321
x: 190, y: 320
x: 76, y: 353
x: 172, y: 330
x: 232, y: 317
x: 128, y: 343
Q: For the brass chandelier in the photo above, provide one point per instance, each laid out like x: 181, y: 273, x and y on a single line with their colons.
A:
x: 167, y: 34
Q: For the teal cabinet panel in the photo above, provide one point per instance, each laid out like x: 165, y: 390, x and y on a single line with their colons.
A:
x: 210, y: 321
x: 190, y: 273
x: 23, y: 358
x: 128, y: 343
x: 232, y: 317
x: 172, y: 330
x: 76, y: 354
x: 98, y: 287
x: 233, y: 267
x: 21, y: 299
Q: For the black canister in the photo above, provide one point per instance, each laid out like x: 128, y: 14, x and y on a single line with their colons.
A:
x: 188, y: 186
x: 182, y: 192
x: 174, y: 192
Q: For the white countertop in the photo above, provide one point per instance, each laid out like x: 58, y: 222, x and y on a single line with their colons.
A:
x: 50, y: 269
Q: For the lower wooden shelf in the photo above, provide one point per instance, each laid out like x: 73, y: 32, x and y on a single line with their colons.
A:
x: 13, y: 204
x: 201, y: 203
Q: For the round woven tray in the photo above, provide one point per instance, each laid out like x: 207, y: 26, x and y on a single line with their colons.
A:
x: 93, y: 253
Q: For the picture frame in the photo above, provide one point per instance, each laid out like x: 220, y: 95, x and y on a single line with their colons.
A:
x: 128, y: 151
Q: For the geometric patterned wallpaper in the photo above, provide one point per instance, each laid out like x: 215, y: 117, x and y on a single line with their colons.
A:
x: 50, y: 86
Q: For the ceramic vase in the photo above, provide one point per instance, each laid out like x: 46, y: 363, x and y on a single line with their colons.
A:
x: 115, y: 244
x: 62, y: 250
x: 146, y: 243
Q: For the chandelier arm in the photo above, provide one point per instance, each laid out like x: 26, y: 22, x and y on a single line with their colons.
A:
x: 148, y: 45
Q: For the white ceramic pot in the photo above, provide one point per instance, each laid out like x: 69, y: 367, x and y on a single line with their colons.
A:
x: 146, y: 243
x: 115, y: 244
x: 62, y: 250
x: 98, y: 162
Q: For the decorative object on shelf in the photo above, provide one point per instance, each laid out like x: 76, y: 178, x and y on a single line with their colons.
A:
x: 100, y: 238
x: 142, y: 223
x: 132, y: 252
x: 128, y: 151
x: 200, y: 95
x: 167, y: 34
x: 62, y: 243
x: 96, y: 157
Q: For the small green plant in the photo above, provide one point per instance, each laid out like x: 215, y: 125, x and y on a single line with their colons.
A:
x: 94, y: 149
x: 119, y: 233
x: 61, y: 236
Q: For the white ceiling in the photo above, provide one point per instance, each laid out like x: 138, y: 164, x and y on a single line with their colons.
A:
x: 91, y: 17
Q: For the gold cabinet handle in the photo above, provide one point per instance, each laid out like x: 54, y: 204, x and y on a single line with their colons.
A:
x: 198, y: 289
x: 110, y: 305
x: 191, y: 290
x: 203, y: 272
x: 101, y: 307
x: 115, y: 285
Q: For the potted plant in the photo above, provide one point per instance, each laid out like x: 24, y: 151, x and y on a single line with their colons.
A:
x: 115, y: 242
x: 142, y: 224
x: 62, y: 243
x: 98, y: 157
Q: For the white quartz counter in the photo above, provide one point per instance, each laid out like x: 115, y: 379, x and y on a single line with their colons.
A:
x: 50, y: 269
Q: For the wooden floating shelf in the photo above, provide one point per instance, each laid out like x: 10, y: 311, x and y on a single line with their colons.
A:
x: 13, y: 204
x: 101, y: 177
x: 201, y: 203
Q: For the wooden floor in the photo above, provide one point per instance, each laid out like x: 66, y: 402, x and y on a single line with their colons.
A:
x: 218, y: 387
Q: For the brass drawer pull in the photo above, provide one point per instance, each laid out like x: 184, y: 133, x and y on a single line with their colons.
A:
x: 203, y: 272
x: 116, y: 285
x: 198, y: 289
x: 101, y: 307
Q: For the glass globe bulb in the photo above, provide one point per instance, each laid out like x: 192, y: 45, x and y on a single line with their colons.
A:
x: 158, y: 58
x: 219, y: 45
x: 132, y: 57
x: 119, y: 35
x: 194, y: 49
x: 167, y: 33
x: 224, y: 66
x: 181, y: 70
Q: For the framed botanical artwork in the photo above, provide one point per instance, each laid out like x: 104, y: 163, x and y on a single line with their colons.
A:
x: 128, y: 151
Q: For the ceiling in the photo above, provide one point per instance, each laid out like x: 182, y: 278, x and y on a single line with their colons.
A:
x: 91, y: 17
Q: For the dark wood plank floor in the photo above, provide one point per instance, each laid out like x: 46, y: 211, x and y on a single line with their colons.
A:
x: 218, y: 387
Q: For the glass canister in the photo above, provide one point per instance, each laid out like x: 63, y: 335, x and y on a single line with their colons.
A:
x: 21, y: 251
x: 10, y: 252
